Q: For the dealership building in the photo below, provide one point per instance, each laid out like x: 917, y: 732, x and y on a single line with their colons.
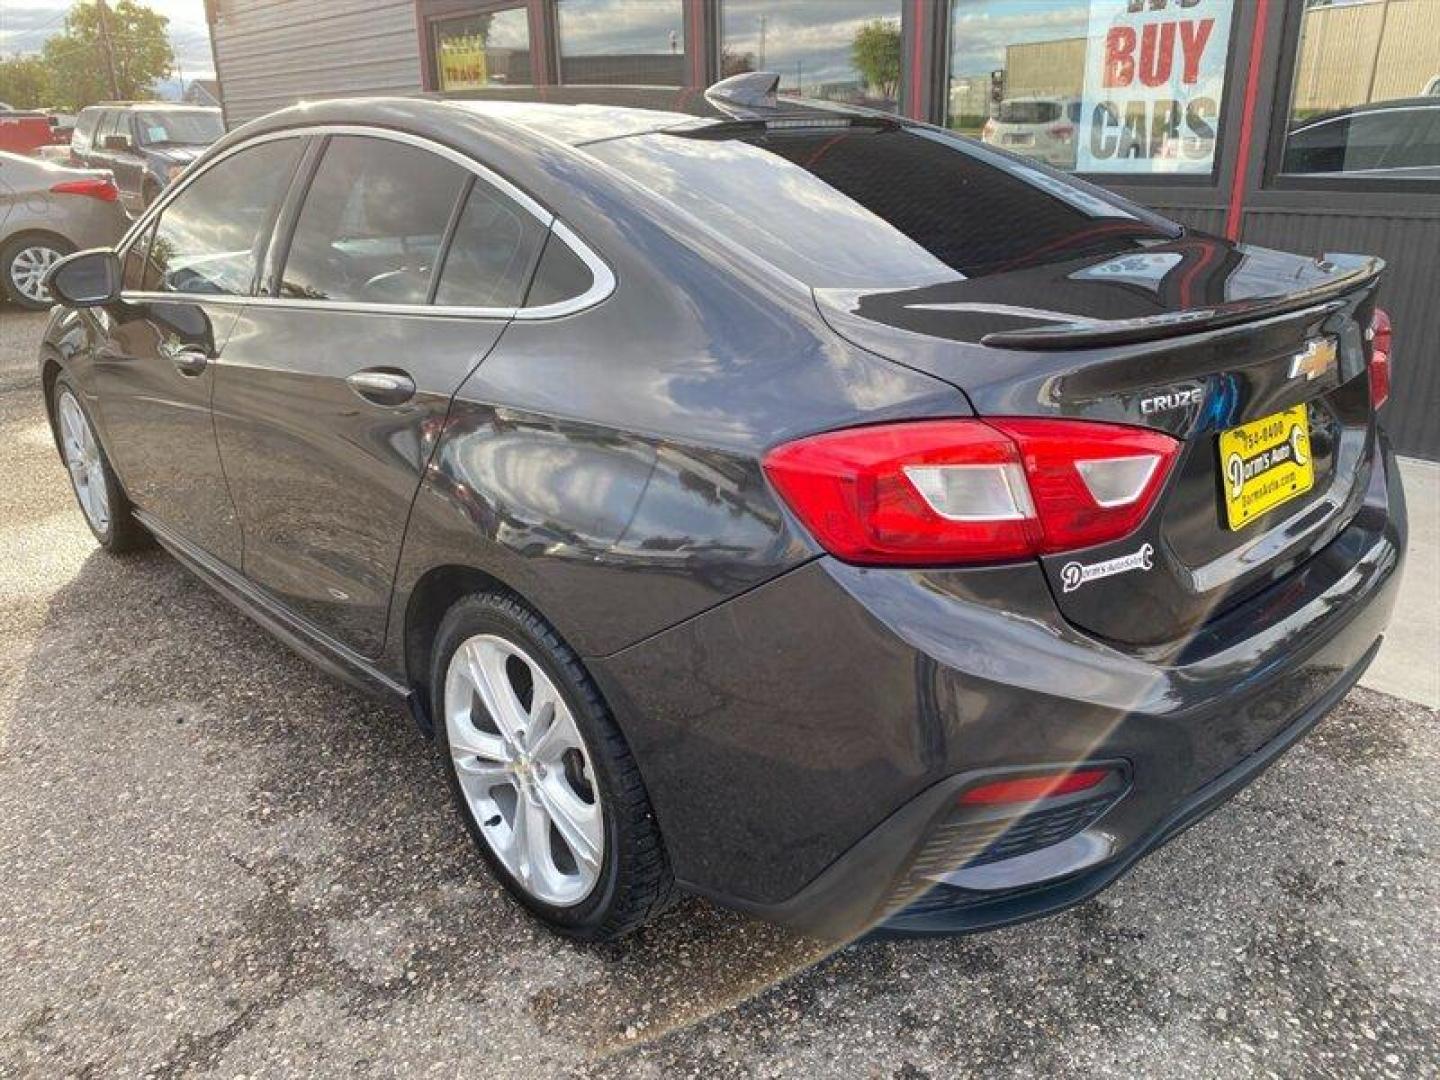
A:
x: 1308, y: 125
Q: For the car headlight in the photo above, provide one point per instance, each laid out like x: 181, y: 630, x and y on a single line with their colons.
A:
x: 173, y: 171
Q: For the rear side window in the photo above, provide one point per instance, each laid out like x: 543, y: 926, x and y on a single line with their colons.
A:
x: 879, y: 206
x: 372, y: 224
x: 84, y: 131
x: 491, y: 253
x: 209, y: 236
x: 560, y: 276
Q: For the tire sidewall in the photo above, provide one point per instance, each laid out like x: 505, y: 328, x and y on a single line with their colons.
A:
x: 493, y: 614
x: 113, y: 495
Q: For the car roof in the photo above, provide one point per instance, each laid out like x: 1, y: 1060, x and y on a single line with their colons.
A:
x: 1394, y: 104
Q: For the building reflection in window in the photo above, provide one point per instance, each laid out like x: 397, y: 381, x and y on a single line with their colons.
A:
x: 482, y: 50
x: 839, y: 50
x: 621, y: 42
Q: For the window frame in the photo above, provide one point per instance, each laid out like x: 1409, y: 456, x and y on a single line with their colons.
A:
x: 1274, y: 178
x: 281, y: 228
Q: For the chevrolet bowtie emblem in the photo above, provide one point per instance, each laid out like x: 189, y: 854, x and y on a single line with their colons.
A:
x: 1318, y: 358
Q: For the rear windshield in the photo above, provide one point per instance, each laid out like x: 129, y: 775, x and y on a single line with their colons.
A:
x: 172, y: 126
x: 1029, y: 112
x: 879, y: 206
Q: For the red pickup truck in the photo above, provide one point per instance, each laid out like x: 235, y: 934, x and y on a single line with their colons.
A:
x: 23, y: 132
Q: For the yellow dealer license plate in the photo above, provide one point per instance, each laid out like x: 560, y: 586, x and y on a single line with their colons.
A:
x: 1265, y: 463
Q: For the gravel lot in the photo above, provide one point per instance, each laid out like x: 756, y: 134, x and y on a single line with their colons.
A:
x: 215, y: 860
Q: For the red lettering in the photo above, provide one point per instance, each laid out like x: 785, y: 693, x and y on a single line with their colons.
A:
x: 1193, y: 38
x: 1119, y: 56
x: 1157, y: 48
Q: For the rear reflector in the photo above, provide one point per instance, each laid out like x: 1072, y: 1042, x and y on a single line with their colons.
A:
x: 1026, y: 789
x: 1381, y: 340
x: 954, y: 492
x: 96, y: 188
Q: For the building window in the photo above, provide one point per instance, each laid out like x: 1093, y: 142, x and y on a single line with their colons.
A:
x: 839, y: 50
x: 621, y: 42
x: 1112, y: 86
x: 482, y: 50
x: 1365, y: 102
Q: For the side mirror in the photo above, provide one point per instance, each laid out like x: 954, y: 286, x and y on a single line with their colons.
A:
x: 115, y: 141
x: 86, y: 279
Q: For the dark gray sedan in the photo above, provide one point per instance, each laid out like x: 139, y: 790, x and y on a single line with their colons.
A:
x: 815, y: 510
x: 46, y: 212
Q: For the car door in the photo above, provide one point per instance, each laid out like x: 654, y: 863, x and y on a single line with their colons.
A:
x: 128, y: 162
x: 388, y: 284
x: 188, y: 273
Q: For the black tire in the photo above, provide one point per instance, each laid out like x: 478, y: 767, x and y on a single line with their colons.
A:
x: 635, y: 883
x: 123, y: 532
x: 10, y: 252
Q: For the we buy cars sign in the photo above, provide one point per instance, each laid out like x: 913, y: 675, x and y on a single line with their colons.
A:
x: 1154, y: 80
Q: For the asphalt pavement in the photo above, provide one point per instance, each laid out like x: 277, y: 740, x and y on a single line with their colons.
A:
x: 216, y: 861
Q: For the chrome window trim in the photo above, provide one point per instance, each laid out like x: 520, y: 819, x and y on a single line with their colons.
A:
x: 602, y: 277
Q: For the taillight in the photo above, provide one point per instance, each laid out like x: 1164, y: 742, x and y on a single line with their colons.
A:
x: 1380, y: 342
x: 952, y: 492
x: 1063, y: 132
x: 1024, y: 789
x: 96, y: 188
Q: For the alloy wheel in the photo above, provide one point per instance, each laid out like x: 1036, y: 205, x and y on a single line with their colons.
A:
x: 28, y: 269
x: 81, y: 451
x: 524, y: 769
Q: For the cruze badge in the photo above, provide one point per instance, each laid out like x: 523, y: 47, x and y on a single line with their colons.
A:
x: 1318, y: 358
x: 1177, y: 397
x: 1075, y: 574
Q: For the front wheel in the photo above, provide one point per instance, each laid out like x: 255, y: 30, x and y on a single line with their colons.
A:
x: 101, y: 499
x: 543, y: 778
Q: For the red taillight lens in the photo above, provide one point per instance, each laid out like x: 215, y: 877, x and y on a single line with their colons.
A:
x: 951, y: 492
x: 98, y: 188
x: 1380, y: 342
x: 1063, y: 132
x: 1026, y: 789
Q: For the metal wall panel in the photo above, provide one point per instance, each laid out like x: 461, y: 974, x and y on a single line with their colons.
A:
x: 273, y: 53
x: 1408, y: 245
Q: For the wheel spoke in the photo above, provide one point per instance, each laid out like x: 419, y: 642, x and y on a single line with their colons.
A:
x: 578, y: 823
x: 552, y: 728
x: 487, y: 672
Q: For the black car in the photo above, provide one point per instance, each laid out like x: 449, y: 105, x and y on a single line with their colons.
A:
x: 144, y: 144
x: 814, y: 510
x: 1397, y: 140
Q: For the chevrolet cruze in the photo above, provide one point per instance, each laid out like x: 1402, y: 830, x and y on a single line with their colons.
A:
x: 818, y: 511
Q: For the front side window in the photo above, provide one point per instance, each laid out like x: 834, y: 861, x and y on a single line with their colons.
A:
x: 622, y: 42
x: 209, y: 236
x: 1362, y: 103
x: 492, y: 49
x: 840, y: 50
x: 1112, y: 86
x: 198, y: 127
x: 372, y: 224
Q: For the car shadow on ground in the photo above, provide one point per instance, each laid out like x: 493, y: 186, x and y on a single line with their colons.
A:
x: 221, y: 852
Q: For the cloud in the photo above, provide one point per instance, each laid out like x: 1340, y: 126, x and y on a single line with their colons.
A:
x: 24, y: 26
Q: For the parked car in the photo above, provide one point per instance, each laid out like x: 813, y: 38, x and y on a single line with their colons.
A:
x: 1432, y: 88
x: 1038, y: 127
x: 23, y: 132
x: 48, y: 211
x: 811, y: 509
x: 145, y: 144
x: 1394, y: 139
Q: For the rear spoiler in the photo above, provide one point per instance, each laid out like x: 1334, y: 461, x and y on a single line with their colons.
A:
x: 1081, y: 335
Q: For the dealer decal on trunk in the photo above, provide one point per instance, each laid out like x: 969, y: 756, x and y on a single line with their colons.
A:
x: 1075, y: 574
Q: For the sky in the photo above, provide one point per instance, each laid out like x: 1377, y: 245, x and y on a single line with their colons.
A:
x: 25, y: 24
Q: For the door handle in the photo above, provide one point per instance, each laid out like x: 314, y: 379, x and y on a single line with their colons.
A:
x: 382, y: 386
x: 188, y: 359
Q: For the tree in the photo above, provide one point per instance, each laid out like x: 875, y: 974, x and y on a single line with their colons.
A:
x: 76, y: 57
x: 875, y: 51
x: 24, y: 82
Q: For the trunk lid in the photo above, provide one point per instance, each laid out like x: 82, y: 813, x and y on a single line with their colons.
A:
x: 1229, y: 348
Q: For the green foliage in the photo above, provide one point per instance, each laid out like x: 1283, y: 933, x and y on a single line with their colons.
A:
x: 875, y: 51
x: 75, y: 57
x: 24, y: 82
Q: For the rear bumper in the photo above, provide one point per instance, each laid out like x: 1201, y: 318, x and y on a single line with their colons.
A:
x: 803, y: 742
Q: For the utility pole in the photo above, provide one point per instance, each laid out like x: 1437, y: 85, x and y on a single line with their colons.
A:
x: 108, y: 47
x: 762, y: 44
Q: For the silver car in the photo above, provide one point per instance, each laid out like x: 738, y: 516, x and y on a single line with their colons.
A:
x: 46, y: 212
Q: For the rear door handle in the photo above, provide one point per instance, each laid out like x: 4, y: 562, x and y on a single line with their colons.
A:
x: 188, y: 359
x: 382, y: 386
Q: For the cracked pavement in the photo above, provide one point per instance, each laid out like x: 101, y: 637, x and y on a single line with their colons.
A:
x: 214, y: 860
